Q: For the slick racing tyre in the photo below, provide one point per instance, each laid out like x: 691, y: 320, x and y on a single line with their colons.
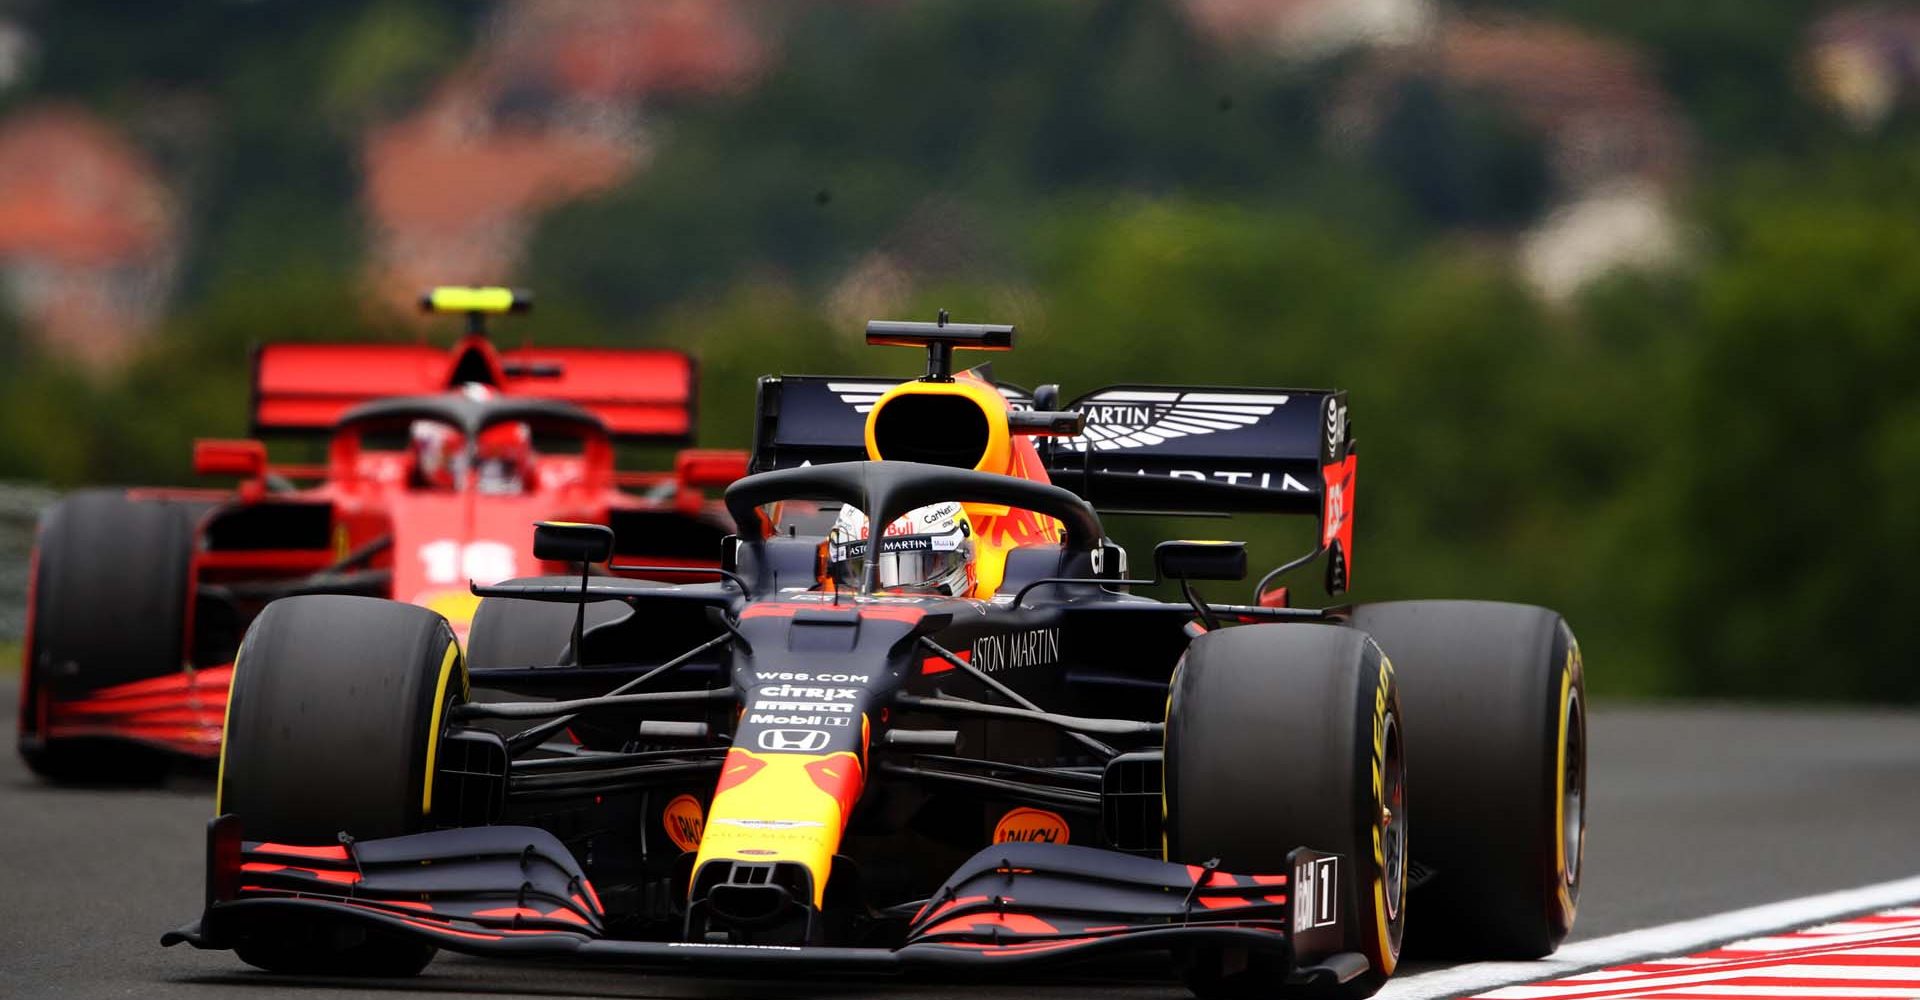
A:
x: 109, y: 607
x: 515, y: 633
x: 334, y: 722
x: 1285, y: 736
x: 1498, y: 704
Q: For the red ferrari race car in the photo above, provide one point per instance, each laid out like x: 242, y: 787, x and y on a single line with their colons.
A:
x: 437, y: 463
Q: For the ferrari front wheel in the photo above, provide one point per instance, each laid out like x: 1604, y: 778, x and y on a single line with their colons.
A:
x: 108, y: 607
x: 1285, y: 736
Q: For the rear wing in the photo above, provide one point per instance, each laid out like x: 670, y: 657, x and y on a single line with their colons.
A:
x: 1167, y: 449
x: 1193, y: 449
x: 1198, y: 450
x: 642, y: 394
x: 1143, y: 449
x: 817, y: 420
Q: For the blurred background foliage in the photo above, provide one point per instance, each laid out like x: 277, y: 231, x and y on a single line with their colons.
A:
x: 1709, y: 466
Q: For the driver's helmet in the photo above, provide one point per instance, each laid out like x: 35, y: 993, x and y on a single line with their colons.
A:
x: 437, y: 455
x: 504, y: 457
x: 925, y: 551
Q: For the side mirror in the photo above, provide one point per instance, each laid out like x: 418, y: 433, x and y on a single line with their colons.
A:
x: 1189, y: 560
x: 709, y: 468
x: 571, y: 541
x: 1053, y: 423
x: 1046, y: 418
x: 245, y: 458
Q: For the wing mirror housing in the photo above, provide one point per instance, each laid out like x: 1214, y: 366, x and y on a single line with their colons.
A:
x: 244, y: 458
x: 1047, y: 423
x: 1046, y: 419
x: 572, y: 541
x: 1200, y: 560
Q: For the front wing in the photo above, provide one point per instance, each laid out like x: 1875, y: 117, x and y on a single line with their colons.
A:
x: 516, y: 891
x: 180, y: 713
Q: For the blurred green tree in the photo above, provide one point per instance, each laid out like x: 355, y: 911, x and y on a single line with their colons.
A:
x: 1459, y: 160
x: 1730, y: 62
x: 994, y: 106
x: 1708, y: 471
x: 1796, y: 446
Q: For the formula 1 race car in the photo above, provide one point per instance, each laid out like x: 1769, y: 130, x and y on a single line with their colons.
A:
x: 807, y: 763
x: 436, y: 463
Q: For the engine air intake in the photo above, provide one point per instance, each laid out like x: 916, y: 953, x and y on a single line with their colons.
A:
x: 960, y: 424
x: 937, y: 430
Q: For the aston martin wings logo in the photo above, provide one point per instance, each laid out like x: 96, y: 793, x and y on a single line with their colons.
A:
x: 1138, y: 418
x: 862, y: 395
x: 859, y: 395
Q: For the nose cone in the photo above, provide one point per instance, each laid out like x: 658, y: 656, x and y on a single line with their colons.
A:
x: 775, y: 808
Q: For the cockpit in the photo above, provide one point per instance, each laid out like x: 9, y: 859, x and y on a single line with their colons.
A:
x: 473, y: 441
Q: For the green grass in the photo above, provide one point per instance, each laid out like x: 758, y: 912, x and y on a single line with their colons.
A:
x: 9, y: 657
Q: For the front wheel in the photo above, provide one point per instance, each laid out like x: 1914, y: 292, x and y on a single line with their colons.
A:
x: 108, y: 607
x: 1498, y: 695
x: 333, y: 726
x: 1285, y: 736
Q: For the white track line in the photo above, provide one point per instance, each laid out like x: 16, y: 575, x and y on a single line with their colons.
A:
x: 1665, y: 940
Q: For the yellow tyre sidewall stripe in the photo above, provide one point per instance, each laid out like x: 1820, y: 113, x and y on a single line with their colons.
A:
x: 1389, y: 955
x: 226, y: 730
x: 437, y: 718
x: 1567, y: 672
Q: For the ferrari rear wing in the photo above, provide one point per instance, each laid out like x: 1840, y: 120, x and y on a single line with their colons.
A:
x: 644, y: 395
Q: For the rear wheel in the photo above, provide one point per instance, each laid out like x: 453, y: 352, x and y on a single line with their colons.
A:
x: 1285, y: 736
x: 1498, y: 699
x: 508, y: 632
x: 336, y: 715
x: 109, y: 607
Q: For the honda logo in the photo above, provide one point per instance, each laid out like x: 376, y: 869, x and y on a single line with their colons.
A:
x: 793, y: 740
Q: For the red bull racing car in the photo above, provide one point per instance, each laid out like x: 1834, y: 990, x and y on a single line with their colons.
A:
x: 436, y: 461
x: 941, y: 734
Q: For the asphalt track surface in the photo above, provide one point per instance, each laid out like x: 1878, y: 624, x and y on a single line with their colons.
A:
x: 1694, y: 811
